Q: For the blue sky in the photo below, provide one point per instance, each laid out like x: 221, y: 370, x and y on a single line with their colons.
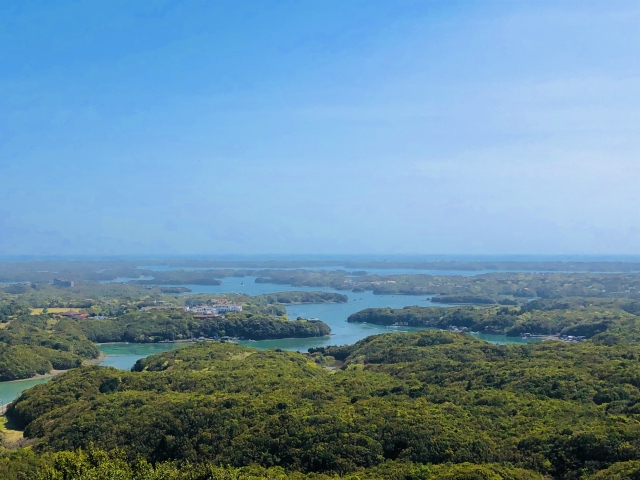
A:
x: 435, y: 127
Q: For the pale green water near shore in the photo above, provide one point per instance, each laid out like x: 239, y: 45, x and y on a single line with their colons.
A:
x: 125, y: 355
x: 9, y: 391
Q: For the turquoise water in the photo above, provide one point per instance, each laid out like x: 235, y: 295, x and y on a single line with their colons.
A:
x: 9, y: 391
x: 124, y: 356
x: 335, y: 315
x: 342, y: 332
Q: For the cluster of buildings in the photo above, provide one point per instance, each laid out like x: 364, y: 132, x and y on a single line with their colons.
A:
x: 213, y: 310
x: 215, y: 338
x: 73, y: 314
x: 562, y: 338
x: 57, y: 282
x: 572, y: 338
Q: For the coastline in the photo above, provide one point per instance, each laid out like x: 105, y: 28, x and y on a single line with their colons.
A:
x: 54, y: 373
x: 138, y: 343
x: 94, y: 361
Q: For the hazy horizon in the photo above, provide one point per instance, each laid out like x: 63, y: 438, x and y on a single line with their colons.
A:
x: 339, y: 259
x: 280, y: 128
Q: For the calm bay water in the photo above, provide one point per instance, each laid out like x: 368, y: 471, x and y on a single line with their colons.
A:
x: 9, y: 391
x: 124, y: 356
x: 335, y: 315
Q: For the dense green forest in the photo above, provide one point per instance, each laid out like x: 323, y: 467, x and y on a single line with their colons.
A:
x: 159, y: 325
x: 94, y: 464
x: 471, y: 299
x: 486, y: 288
x: 36, y: 344
x: 110, y: 299
x: 113, y: 299
x: 268, y: 299
x: 580, y: 317
x: 398, y: 402
x: 301, y: 297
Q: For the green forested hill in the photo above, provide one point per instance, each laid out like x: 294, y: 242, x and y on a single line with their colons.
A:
x: 491, y: 287
x: 555, y: 409
x: 98, y: 465
x: 537, y: 318
x: 157, y: 325
x: 34, y: 344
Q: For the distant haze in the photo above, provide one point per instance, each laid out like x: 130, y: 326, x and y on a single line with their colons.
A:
x: 377, y: 127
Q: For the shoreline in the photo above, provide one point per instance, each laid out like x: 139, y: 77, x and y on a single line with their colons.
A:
x: 140, y: 343
x: 39, y: 376
x: 55, y: 373
x: 94, y: 361
x: 210, y: 340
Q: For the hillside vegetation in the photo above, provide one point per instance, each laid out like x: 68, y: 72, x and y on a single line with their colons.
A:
x: 159, y: 325
x: 35, y: 344
x: 34, y: 341
x: 577, y: 318
x: 424, y: 398
x: 483, y: 289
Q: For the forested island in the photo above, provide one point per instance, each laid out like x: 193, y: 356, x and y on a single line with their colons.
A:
x: 482, y: 289
x: 157, y: 326
x: 470, y: 299
x: 578, y: 317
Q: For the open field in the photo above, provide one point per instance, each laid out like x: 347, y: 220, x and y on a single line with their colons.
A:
x: 38, y: 311
x: 8, y: 434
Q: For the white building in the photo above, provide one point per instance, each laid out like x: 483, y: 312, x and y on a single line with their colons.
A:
x: 228, y: 308
x: 215, y: 310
